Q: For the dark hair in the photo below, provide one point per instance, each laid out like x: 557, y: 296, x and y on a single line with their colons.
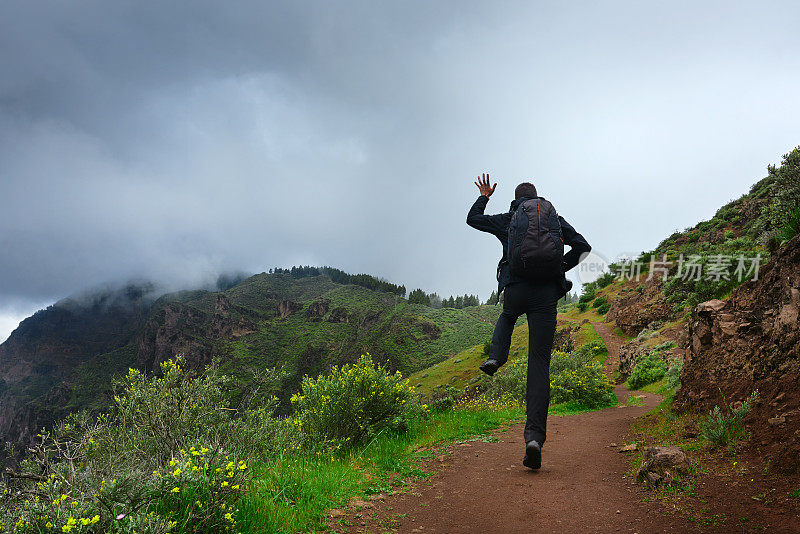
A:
x: 525, y: 189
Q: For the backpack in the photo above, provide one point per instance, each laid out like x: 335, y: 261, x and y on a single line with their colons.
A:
x: 535, y: 241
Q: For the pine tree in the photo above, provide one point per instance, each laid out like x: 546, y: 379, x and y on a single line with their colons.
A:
x: 418, y: 296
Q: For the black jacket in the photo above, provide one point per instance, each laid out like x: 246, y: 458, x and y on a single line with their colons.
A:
x: 497, y: 225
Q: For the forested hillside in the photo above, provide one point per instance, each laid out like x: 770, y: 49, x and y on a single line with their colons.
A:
x: 300, y: 321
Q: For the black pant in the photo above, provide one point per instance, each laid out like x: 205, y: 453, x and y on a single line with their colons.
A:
x: 538, y: 302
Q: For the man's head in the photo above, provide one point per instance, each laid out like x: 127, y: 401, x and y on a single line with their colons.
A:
x: 525, y: 189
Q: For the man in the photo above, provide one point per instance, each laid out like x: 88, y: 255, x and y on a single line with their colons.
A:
x: 536, y: 296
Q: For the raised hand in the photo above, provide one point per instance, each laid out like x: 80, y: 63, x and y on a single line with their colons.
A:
x: 483, y: 185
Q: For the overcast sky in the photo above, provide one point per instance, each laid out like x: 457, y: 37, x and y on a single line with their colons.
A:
x: 175, y: 140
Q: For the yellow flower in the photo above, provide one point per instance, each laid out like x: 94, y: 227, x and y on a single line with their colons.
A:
x: 175, y: 490
x: 224, y: 483
x: 177, y: 472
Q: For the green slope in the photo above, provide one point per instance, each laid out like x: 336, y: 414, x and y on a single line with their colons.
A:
x: 241, y: 327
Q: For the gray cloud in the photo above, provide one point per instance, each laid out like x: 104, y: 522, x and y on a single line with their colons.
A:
x: 176, y: 140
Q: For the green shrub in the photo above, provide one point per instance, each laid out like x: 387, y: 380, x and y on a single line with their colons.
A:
x: 486, y: 346
x: 784, y: 194
x: 355, y: 402
x: 574, y: 377
x: 589, y: 292
x: 663, y: 346
x: 444, y: 398
x: 791, y: 225
x: 510, y: 380
x: 647, y: 370
x: 672, y: 378
x: 170, y: 457
x: 599, y: 301
x: 198, y: 490
x: 725, y: 428
x: 582, y: 306
x: 603, y: 308
x: 577, y: 377
x: 605, y: 279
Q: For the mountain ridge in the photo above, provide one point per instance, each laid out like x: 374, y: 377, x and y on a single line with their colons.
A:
x: 63, y: 358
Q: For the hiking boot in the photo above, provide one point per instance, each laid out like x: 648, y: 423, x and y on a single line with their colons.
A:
x: 490, y: 366
x: 533, y: 455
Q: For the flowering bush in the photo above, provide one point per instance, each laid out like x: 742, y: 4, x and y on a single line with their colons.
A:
x: 510, y: 380
x: 198, y: 490
x: 355, y: 402
x: 584, y: 384
x: 194, y: 492
x: 169, y: 458
x: 574, y: 377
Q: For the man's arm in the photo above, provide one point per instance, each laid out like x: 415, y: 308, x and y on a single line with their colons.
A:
x: 476, y: 219
x: 578, y: 244
x: 493, y: 224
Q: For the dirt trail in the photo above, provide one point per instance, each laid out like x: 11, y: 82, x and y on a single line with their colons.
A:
x: 613, y: 342
x: 483, y: 487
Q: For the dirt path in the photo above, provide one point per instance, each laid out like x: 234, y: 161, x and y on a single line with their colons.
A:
x: 613, y: 342
x: 483, y: 487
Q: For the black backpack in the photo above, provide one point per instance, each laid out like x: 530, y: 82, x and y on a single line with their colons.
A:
x: 535, y: 241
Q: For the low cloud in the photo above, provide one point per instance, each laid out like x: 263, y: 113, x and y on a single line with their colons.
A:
x: 177, y: 141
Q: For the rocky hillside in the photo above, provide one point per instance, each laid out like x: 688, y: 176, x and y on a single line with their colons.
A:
x: 734, y: 334
x: 39, y: 360
x: 63, y: 359
x: 751, y: 341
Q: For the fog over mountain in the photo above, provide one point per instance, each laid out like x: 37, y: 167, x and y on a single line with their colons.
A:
x: 174, y: 141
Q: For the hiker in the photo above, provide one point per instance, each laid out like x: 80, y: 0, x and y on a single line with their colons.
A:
x: 531, y: 272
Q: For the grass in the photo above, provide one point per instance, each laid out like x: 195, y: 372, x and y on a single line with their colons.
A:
x: 461, y: 369
x: 410, y: 337
x: 576, y: 315
x: 572, y: 408
x: 664, y: 427
x: 292, y: 492
x: 618, y: 331
x: 457, y: 371
x: 659, y: 388
x: 634, y: 400
x: 588, y: 334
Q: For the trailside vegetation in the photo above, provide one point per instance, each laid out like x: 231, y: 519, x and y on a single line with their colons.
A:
x: 188, y: 452
x: 577, y: 379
